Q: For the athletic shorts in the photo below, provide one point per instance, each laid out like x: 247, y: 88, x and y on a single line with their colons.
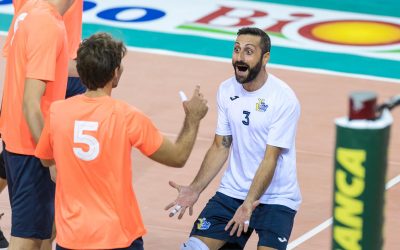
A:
x: 31, y: 193
x: 136, y: 245
x: 272, y: 223
x: 74, y: 87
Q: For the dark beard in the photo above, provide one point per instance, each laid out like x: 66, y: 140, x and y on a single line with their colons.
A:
x: 253, y: 72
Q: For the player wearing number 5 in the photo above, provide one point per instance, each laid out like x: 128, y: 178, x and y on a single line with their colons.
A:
x: 257, y: 121
x: 90, y: 137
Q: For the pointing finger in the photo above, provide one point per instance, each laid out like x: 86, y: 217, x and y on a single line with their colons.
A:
x: 196, y: 90
x: 174, y: 185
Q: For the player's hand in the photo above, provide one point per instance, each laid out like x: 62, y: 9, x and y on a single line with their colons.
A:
x: 53, y: 173
x: 196, y: 108
x: 241, y: 220
x: 187, y: 197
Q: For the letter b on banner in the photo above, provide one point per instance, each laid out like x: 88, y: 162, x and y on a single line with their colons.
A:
x: 147, y: 14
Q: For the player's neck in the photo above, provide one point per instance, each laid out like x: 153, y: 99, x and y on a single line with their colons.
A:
x: 106, y: 91
x: 257, y: 83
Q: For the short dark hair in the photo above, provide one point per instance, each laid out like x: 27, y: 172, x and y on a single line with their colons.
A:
x: 265, y: 42
x: 98, y: 57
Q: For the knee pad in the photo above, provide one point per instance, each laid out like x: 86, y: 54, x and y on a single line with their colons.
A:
x: 194, y: 244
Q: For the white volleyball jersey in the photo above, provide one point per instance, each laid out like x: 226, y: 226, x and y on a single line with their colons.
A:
x: 267, y: 116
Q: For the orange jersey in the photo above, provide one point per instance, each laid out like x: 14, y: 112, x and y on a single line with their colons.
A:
x: 18, y: 4
x: 91, y: 141
x: 72, y: 20
x: 73, y: 25
x: 38, y: 53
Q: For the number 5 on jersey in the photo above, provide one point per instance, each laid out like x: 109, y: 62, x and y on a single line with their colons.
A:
x: 89, y: 140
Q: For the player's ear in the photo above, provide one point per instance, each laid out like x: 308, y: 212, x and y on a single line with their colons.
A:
x: 265, y: 58
x: 115, y: 79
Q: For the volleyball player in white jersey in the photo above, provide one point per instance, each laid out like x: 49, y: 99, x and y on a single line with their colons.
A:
x: 257, y: 123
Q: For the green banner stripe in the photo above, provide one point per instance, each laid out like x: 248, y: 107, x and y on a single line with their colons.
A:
x: 206, y: 29
x: 220, y: 31
x: 5, y: 22
x: 381, y: 7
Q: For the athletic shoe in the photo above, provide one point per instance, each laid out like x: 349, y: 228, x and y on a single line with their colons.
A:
x: 3, y: 241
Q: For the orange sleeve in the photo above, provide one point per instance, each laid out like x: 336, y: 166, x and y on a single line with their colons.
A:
x: 73, y: 25
x: 7, y: 43
x: 43, y: 47
x: 44, y: 148
x: 18, y: 4
x: 143, y: 134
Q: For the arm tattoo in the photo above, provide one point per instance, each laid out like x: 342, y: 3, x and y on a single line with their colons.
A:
x: 227, y: 141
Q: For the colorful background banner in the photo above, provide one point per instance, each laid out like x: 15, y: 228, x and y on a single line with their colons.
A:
x: 361, y: 37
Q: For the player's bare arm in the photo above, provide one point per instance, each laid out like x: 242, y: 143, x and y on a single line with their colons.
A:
x: 72, y: 71
x: 264, y: 174
x: 176, y: 154
x: 215, y: 158
x: 260, y: 183
x: 48, y: 163
x: 33, y: 92
x: 213, y: 161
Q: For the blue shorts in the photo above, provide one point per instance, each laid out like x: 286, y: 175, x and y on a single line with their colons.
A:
x: 272, y: 223
x: 136, y: 245
x: 31, y: 193
x: 74, y: 87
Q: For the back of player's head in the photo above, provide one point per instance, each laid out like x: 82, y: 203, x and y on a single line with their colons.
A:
x: 265, y: 42
x: 97, y: 58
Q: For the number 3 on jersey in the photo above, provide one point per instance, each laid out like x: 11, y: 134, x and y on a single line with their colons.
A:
x: 246, y: 120
x: 90, y: 141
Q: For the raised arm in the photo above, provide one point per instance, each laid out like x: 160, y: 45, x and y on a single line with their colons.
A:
x: 176, y: 154
x: 213, y: 161
x: 72, y: 71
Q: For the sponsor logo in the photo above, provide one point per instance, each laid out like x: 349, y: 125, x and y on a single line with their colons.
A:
x: 297, y: 26
x: 341, y: 33
x: 261, y: 106
x: 203, y: 224
x: 349, y: 207
x: 234, y: 97
x: 289, y: 26
x: 282, y: 239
